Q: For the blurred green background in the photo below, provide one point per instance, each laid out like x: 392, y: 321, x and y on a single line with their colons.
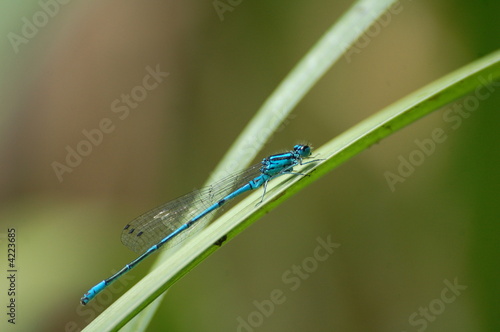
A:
x: 399, y: 250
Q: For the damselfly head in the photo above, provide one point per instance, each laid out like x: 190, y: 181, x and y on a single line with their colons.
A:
x: 303, y: 150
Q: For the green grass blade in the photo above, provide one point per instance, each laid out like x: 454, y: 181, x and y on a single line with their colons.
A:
x: 288, y: 94
x: 370, y: 131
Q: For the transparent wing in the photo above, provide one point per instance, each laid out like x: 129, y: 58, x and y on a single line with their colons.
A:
x: 151, y: 227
